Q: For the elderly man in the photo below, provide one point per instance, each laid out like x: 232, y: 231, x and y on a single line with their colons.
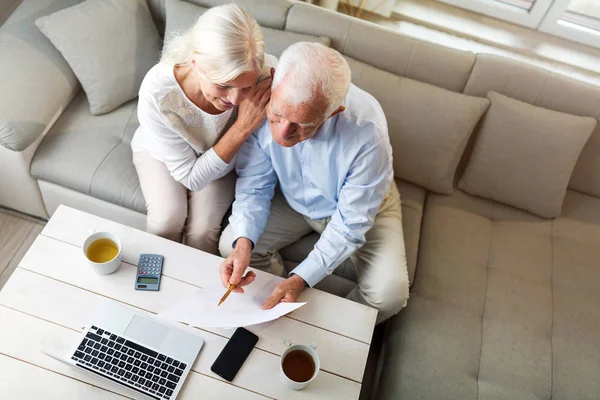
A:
x: 326, y: 143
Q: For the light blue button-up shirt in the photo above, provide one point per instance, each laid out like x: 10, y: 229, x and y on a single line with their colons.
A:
x: 342, y: 172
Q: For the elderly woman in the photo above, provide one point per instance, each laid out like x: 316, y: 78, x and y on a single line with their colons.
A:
x: 186, y: 145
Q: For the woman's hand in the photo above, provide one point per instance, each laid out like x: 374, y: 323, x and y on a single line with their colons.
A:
x: 252, y: 110
x: 251, y: 114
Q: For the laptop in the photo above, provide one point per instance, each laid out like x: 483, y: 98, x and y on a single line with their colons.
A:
x: 135, y: 351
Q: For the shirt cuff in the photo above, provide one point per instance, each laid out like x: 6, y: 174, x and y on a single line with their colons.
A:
x: 214, y: 158
x: 247, y: 231
x: 311, y: 273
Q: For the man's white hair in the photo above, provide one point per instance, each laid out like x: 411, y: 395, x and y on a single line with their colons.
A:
x: 311, y: 69
x: 225, y: 42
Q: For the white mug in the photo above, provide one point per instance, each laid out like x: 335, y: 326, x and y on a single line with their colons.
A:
x: 108, y: 267
x: 293, y: 384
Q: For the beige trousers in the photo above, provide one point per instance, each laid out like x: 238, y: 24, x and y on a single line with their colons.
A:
x: 176, y: 213
x: 380, y: 263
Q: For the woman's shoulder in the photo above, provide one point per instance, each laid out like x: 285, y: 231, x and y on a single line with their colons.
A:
x: 158, y: 81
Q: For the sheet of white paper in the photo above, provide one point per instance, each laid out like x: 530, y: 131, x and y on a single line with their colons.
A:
x: 238, y: 310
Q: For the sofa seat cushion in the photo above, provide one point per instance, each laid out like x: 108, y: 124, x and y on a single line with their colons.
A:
x: 413, y: 201
x: 92, y: 154
x: 504, y: 305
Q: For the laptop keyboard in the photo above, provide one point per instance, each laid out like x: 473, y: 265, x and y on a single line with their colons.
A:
x: 129, y: 363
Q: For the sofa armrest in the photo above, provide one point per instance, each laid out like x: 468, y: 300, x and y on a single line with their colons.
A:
x: 36, y: 81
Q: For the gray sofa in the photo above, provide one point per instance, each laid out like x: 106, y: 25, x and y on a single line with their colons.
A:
x: 504, y: 304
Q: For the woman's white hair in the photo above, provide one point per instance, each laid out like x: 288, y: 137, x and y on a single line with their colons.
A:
x: 310, y: 69
x: 225, y: 42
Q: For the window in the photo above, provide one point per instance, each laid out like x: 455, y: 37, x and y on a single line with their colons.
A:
x: 576, y: 20
x: 522, y: 12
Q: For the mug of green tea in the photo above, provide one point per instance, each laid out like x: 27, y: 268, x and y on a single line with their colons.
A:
x: 299, y: 366
x: 103, y: 251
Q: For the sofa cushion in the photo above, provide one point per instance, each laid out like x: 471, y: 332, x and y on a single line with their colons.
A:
x: 182, y: 15
x: 383, y: 48
x: 429, y: 127
x: 37, y: 83
x: 542, y: 88
x: 413, y: 201
x: 277, y: 41
x: 110, y: 45
x: 504, y: 305
x: 268, y: 13
x: 413, y: 204
x: 92, y: 154
x: 524, y: 155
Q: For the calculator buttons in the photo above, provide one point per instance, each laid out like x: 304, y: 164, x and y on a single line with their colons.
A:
x: 149, y: 266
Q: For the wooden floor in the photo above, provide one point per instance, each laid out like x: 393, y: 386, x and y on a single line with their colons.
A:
x: 17, y: 232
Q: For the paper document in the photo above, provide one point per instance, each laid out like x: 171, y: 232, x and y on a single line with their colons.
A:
x: 238, y: 310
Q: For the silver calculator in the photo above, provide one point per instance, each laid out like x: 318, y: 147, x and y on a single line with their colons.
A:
x: 148, y: 272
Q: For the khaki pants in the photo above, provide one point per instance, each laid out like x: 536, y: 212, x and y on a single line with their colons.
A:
x: 380, y: 263
x: 176, y: 213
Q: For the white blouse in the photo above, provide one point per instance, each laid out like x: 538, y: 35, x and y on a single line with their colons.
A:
x: 177, y: 132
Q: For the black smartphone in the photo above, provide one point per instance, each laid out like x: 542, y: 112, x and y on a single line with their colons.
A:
x: 233, y: 355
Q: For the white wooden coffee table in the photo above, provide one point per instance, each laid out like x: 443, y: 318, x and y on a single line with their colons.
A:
x: 49, y: 297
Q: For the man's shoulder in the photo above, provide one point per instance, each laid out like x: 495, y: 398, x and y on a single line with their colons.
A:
x: 263, y: 134
x: 363, y: 112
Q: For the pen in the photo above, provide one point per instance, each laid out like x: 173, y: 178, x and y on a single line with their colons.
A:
x: 229, y: 289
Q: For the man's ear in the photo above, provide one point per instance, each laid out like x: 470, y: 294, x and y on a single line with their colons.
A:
x: 272, y: 72
x: 336, y: 112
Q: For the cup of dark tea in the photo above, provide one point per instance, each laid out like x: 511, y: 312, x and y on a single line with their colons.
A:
x: 299, y: 366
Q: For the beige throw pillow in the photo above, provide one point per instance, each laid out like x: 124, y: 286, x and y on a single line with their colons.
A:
x: 431, y: 127
x: 524, y: 155
x: 109, y: 44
